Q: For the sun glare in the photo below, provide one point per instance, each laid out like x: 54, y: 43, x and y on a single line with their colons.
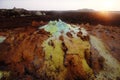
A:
x: 105, y: 14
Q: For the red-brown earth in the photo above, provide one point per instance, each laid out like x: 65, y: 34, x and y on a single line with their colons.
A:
x: 22, y: 54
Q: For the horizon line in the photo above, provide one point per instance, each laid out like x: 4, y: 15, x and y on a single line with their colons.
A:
x: 82, y: 9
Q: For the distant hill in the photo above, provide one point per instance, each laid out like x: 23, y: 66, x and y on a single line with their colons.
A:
x: 86, y: 10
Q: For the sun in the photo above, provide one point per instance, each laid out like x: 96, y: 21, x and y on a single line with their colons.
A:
x: 108, y: 4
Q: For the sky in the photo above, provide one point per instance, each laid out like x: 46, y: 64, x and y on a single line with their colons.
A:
x: 100, y: 5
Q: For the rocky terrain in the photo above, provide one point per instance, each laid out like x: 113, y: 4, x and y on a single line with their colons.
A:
x: 12, y: 18
x: 58, y: 50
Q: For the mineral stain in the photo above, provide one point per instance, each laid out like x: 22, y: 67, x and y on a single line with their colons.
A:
x: 66, y: 52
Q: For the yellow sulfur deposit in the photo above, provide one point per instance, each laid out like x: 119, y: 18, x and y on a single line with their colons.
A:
x: 62, y: 55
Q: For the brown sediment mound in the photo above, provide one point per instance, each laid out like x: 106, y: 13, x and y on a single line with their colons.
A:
x: 22, y: 54
x: 32, y: 54
x: 69, y: 34
x: 26, y: 55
